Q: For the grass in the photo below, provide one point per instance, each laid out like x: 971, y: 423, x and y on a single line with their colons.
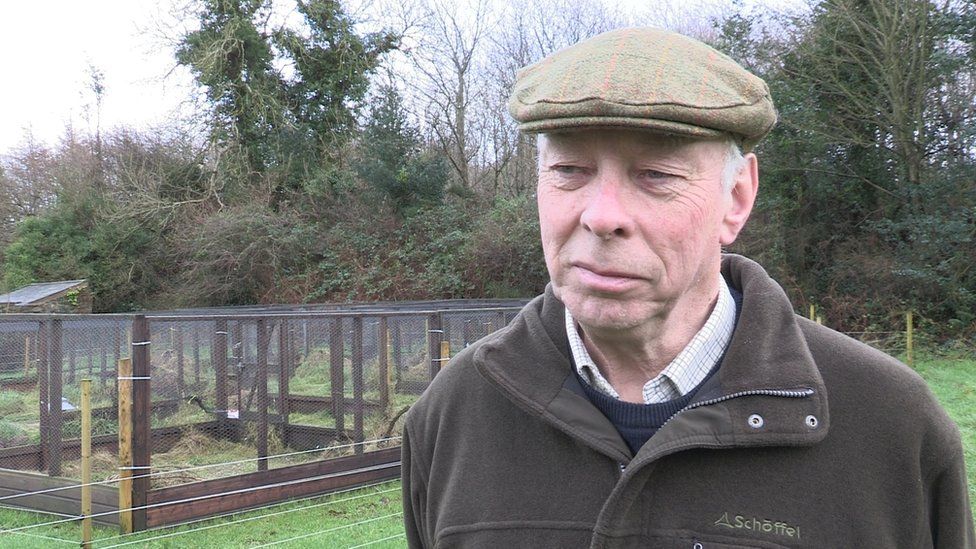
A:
x: 339, y: 520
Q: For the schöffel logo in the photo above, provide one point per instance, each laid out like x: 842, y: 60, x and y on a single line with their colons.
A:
x: 766, y: 526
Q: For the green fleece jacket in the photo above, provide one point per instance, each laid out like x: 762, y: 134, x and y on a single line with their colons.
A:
x: 804, y: 438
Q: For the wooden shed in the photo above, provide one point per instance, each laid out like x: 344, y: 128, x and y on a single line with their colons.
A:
x: 66, y: 296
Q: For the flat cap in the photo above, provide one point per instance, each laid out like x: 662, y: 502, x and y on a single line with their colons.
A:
x: 643, y: 78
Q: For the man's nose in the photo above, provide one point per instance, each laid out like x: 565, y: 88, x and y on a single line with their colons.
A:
x: 606, y: 213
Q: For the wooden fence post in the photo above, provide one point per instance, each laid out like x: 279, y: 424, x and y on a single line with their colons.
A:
x: 284, y: 375
x: 467, y: 334
x: 125, y: 445
x: 383, y: 361
x: 180, y: 361
x: 27, y: 356
x: 218, y: 359
x: 239, y: 359
x: 86, y: 440
x: 91, y: 354
x: 116, y: 351
x: 72, y: 365
x: 55, y: 392
x: 43, y: 386
x: 434, y: 337
x: 141, y: 425
x: 262, y: 388
x: 445, y: 352
x: 103, y: 366
x: 337, y: 375
x: 396, y: 342
x: 909, y: 338
x: 196, y: 356
x: 357, y: 383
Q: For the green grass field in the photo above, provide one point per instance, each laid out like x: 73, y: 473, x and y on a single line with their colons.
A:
x: 367, y: 516
x: 373, y: 516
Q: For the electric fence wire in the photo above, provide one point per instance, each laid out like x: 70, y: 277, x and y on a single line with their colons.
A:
x: 247, y: 519
x: 260, y: 508
x: 375, y: 541
x: 38, y: 511
x: 208, y: 496
x: 48, y: 538
x: 196, y: 468
x: 326, y: 531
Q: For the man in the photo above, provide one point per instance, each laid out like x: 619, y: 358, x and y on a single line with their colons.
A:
x: 660, y: 394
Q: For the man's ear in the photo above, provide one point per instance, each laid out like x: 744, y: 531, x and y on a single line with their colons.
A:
x: 740, y: 200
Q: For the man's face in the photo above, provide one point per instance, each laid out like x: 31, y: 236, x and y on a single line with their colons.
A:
x: 633, y: 223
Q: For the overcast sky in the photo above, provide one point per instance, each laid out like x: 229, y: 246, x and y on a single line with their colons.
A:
x: 47, y: 49
x: 49, y: 46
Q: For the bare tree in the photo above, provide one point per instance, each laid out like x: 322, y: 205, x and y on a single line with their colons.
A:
x: 532, y: 31
x: 27, y: 183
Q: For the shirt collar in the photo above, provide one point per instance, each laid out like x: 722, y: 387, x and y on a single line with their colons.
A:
x: 682, y: 374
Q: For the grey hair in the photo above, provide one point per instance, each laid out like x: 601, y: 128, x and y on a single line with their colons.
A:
x: 734, y: 161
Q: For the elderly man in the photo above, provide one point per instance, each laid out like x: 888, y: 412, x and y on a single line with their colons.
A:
x: 660, y: 394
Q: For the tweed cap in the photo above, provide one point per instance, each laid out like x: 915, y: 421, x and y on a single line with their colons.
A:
x: 643, y: 78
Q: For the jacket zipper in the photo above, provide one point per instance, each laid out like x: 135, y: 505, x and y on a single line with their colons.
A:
x: 799, y: 393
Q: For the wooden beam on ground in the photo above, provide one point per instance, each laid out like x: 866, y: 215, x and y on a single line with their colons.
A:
x: 64, y: 500
x: 212, y: 497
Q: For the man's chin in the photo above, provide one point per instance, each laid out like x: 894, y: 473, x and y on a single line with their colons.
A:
x: 601, y: 313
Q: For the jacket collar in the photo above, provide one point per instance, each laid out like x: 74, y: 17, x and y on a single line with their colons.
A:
x: 530, y: 364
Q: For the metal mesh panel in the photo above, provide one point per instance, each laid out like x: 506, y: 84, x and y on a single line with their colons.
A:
x: 246, y: 391
x: 20, y: 433
x: 42, y: 361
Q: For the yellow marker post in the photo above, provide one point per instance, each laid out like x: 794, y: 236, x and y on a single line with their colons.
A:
x: 86, y: 438
x: 813, y: 312
x: 445, y: 352
x: 27, y: 344
x: 125, y: 445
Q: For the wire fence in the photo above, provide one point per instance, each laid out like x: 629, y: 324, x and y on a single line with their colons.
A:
x: 223, y: 531
x: 228, y: 395
x: 224, y: 397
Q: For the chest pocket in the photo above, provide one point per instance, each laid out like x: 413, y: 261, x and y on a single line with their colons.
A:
x: 688, y: 540
x: 737, y: 544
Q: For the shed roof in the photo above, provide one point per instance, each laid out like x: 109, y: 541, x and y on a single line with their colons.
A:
x: 33, y: 293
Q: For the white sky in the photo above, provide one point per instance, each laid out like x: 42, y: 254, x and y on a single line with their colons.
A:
x: 48, y: 48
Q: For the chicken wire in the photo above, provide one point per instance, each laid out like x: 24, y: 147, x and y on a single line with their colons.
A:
x: 240, y: 392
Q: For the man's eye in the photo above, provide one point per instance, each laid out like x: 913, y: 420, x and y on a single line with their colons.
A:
x: 565, y: 169
x: 653, y: 175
